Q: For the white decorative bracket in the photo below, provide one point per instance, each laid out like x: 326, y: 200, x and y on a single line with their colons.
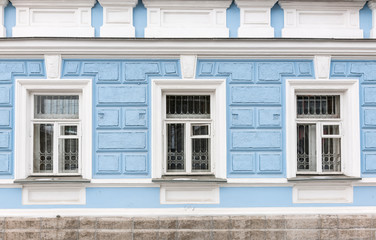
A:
x: 322, y: 66
x: 118, y: 18
x: 183, y: 18
x: 3, y: 3
x: 53, y: 66
x: 53, y: 18
x: 255, y: 18
x: 188, y: 66
x: 372, y: 6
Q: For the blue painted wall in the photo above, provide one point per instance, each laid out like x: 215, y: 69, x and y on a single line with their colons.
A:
x: 277, y: 20
x: 139, y: 19
x: 121, y: 107
x: 9, y: 18
x: 97, y: 19
x: 9, y: 70
x: 233, y: 20
x: 365, y: 20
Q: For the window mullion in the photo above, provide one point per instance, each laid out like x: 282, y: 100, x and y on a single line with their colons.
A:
x: 56, y: 148
x: 188, y: 150
x: 319, y: 147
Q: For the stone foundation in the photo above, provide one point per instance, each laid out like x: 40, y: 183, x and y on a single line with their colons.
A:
x: 277, y: 227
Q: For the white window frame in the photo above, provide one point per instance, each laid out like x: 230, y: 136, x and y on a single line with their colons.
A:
x: 25, y: 90
x: 348, y: 89
x: 214, y: 87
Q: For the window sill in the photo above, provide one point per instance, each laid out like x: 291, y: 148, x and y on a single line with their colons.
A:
x: 189, y: 179
x: 308, y: 178
x: 52, y: 179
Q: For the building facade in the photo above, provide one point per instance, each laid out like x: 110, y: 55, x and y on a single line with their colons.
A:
x: 240, y: 111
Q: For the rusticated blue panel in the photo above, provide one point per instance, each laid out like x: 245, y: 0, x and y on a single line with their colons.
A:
x: 139, y: 71
x: 339, y: 68
x: 7, y: 69
x: 304, y: 69
x: 256, y: 94
x: 5, y: 140
x: 5, y: 95
x: 109, y: 71
x: 122, y: 140
x: 5, y: 163
x: 135, y: 117
x: 108, y: 117
x: 367, y: 69
x: 370, y: 162
x: 207, y: 68
x: 369, y: 139
x: 122, y: 94
x: 257, y: 140
x: 242, y: 117
x: 369, y: 117
x: 239, y: 71
x: 72, y: 68
x: 243, y: 163
x: 273, y: 71
x: 109, y: 163
x: 269, y: 117
x: 135, y: 164
x: 170, y: 68
x: 5, y: 117
x: 270, y: 162
x: 369, y: 95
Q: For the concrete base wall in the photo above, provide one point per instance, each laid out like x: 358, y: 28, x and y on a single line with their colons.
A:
x: 278, y: 227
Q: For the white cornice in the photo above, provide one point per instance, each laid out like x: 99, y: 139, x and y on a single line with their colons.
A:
x: 114, y: 3
x: 183, y: 4
x: 321, y: 4
x: 54, y: 3
x: 226, y: 48
x: 255, y: 3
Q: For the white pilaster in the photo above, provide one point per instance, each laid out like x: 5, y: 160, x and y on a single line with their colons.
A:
x: 3, y: 3
x: 255, y: 18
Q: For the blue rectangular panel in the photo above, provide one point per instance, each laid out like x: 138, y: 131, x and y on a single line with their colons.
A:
x: 370, y: 117
x: 256, y: 94
x: 5, y: 95
x: 242, y: 117
x: 108, y: 118
x: 369, y: 139
x: 5, y: 163
x: 121, y: 140
x: 269, y: 117
x: 270, y: 162
x: 243, y: 163
x: 122, y: 94
x: 109, y: 163
x: 370, y: 162
x: 135, y: 163
x: 5, y: 116
x: 257, y: 140
x: 370, y: 95
x: 135, y: 117
x: 4, y: 140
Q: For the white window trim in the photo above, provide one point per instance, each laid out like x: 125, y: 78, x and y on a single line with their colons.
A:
x: 349, y: 89
x: 218, y: 87
x: 22, y: 148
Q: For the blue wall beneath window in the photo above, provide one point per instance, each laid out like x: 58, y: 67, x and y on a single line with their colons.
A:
x: 255, y: 112
x: 121, y: 112
x: 9, y: 70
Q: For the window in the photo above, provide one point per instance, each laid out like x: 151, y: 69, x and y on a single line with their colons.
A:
x: 188, y: 127
x: 53, y: 128
x: 322, y: 127
x: 188, y: 134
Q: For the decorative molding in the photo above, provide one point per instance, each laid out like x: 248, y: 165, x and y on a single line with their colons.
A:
x: 190, y: 19
x: 188, y: 66
x: 372, y: 6
x: 322, y: 19
x: 38, y: 18
x: 189, y: 194
x: 3, y: 4
x: 53, y: 66
x: 255, y: 18
x: 117, y: 18
x: 320, y: 193
x: 53, y: 195
x: 322, y: 66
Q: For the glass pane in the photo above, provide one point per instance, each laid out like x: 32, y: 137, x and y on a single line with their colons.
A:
x: 68, y: 130
x: 331, y: 155
x: 43, y: 148
x: 187, y: 106
x: 317, y: 106
x: 331, y: 129
x: 56, y: 107
x: 306, y: 155
x: 200, y: 130
x: 175, y: 147
x: 68, y: 155
x: 200, y: 154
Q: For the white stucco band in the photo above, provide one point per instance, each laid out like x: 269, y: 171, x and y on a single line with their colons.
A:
x: 191, y: 19
x: 53, y: 18
x: 322, y: 19
x: 255, y: 18
x: 117, y: 18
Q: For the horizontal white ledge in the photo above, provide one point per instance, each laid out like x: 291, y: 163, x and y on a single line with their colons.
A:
x: 149, y: 212
x: 268, y: 48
